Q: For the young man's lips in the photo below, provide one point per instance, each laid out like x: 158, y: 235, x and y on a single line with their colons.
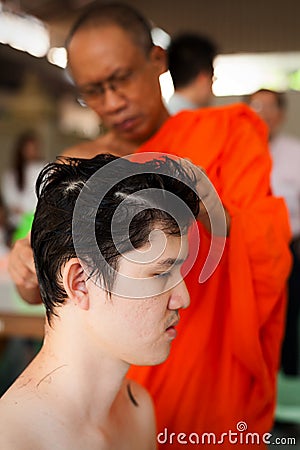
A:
x: 174, y: 322
x: 171, y: 331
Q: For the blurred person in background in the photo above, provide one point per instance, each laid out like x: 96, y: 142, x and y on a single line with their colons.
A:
x: 190, y: 59
x: 19, y: 202
x: 4, y: 235
x: 18, y: 183
x: 285, y: 180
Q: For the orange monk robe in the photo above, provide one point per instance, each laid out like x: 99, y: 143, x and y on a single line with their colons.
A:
x: 223, y: 363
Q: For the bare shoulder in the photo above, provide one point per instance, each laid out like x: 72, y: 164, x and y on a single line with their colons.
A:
x: 13, y: 432
x: 21, y: 415
x: 87, y: 149
x: 139, y: 395
x: 145, y: 415
x: 107, y: 143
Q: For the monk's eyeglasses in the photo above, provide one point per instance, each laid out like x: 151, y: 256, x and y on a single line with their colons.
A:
x: 95, y: 92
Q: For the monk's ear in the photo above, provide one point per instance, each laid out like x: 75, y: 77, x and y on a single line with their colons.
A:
x: 74, y: 281
x: 159, y: 59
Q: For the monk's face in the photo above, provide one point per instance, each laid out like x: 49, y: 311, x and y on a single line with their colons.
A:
x: 119, y: 81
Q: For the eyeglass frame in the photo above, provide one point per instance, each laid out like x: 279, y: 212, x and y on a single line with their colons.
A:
x: 116, y: 83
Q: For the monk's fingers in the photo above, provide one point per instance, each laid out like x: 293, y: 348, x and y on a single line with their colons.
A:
x: 24, y: 279
x: 209, y: 206
x: 209, y: 199
x: 188, y: 164
x: 21, y: 265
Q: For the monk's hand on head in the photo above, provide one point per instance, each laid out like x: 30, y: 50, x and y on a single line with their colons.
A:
x: 212, y: 213
x: 22, y: 270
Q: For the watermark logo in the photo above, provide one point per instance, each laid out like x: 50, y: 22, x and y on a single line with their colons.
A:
x: 241, y: 435
x: 241, y: 426
x: 94, y: 192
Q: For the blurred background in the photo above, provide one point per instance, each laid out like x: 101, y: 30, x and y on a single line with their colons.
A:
x: 259, y: 44
x: 259, y: 47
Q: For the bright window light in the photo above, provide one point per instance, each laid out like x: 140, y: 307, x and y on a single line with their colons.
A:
x: 160, y: 37
x: 242, y: 74
x: 25, y: 33
x: 58, y: 56
x: 166, y: 86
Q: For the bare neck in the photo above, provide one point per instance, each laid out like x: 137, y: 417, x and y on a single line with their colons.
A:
x: 67, y: 364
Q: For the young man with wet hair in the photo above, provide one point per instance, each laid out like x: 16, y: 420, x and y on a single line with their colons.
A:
x: 108, y: 263
x: 224, y: 364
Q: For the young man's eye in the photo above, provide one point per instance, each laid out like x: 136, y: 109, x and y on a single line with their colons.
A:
x: 162, y: 275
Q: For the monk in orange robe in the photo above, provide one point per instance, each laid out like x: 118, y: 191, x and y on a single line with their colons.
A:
x: 222, y: 367
x: 220, y: 377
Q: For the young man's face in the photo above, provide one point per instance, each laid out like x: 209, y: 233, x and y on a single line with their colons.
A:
x: 140, y: 330
x: 131, y: 104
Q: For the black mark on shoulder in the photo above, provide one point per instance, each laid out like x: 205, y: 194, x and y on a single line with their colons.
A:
x: 133, y: 400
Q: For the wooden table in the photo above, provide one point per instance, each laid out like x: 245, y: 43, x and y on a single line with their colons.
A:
x: 17, y: 318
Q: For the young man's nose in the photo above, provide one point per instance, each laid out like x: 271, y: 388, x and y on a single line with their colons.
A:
x: 180, y: 297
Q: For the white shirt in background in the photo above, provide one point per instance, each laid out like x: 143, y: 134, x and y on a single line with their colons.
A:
x: 285, y: 177
x: 179, y: 103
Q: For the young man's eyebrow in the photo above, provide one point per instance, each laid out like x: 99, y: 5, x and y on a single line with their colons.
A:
x: 169, y: 262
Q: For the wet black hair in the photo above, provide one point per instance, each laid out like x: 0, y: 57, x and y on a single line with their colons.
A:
x: 58, y: 188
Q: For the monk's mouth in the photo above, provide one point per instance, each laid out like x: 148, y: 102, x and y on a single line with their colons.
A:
x: 127, y: 124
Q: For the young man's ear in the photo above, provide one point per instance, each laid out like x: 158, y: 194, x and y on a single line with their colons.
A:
x: 74, y: 281
x: 159, y: 59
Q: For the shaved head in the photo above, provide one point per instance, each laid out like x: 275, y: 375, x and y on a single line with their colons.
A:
x: 117, y: 14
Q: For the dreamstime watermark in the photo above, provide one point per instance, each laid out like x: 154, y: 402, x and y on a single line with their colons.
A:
x: 93, y: 195
x: 233, y: 437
